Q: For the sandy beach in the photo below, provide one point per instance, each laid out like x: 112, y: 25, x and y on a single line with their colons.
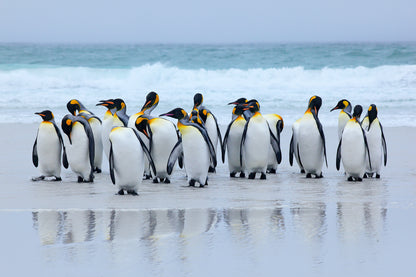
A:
x: 234, y: 226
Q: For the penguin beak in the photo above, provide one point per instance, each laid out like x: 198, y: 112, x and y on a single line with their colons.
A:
x: 41, y: 114
x: 334, y: 108
x: 166, y: 114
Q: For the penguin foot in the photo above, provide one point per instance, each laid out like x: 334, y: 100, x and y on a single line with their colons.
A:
x: 242, y: 175
x: 302, y: 171
x: 120, y: 192
x: 377, y: 176
x: 319, y: 176
x: 80, y: 179
x: 98, y: 170
x: 232, y: 174
x: 252, y: 175
x: 271, y: 171
x: 206, y: 182
x: 132, y: 192
x: 359, y: 179
x: 147, y: 176
x: 166, y: 181
x: 211, y: 169
x: 40, y: 178
x: 57, y: 179
x: 350, y: 179
x: 155, y: 180
x: 263, y: 176
x: 309, y: 175
x: 366, y: 175
x: 192, y: 183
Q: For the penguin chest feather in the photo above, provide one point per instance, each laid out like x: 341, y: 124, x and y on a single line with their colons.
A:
x: 49, y: 150
x: 374, y: 140
x: 353, y: 153
x: 233, y: 144
x: 78, y: 151
x: 311, y: 152
x: 256, y: 145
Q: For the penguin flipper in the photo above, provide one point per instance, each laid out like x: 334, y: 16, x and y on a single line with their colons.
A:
x: 276, y: 146
x: 64, y: 157
x: 35, y: 158
x: 218, y: 132
x: 338, y: 158
x: 291, y: 151
x: 224, y: 143
x: 146, y: 151
x: 180, y: 158
x: 91, y: 144
x: 243, y: 139
x: 177, y: 152
x: 383, y: 142
x: 321, y: 132
x: 208, y: 141
x: 367, y: 148
x: 111, y: 164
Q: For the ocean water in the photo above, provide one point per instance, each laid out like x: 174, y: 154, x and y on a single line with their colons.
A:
x: 281, y: 76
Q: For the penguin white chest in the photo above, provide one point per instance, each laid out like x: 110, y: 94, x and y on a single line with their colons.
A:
x: 353, y: 149
x: 128, y: 158
x: 49, y: 150
x: 196, y: 154
x: 233, y: 144
x: 78, y: 151
x: 374, y: 141
x: 256, y: 145
x: 311, y: 150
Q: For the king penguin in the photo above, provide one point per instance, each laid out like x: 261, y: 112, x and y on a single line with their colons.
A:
x: 162, y: 137
x: 196, y: 146
x: 311, y: 140
x: 126, y: 161
x: 75, y: 105
x: 232, y: 141
x: 376, y: 142
x: 255, y: 141
x: 47, y: 148
x: 210, y: 123
x: 353, y: 148
x: 344, y: 115
x: 293, y: 148
x: 81, y: 146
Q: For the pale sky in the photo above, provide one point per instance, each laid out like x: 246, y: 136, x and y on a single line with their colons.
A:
x: 210, y: 21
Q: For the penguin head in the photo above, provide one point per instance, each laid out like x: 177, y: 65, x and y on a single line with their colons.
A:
x: 238, y: 110
x: 152, y: 100
x: 119, y: 104
x: 253, y: 106
x: 198, y: 99
x: 46, y: 115
x: 239, y: 101
x: 195, y: 117
x: 66, y: 125
x: 177, y: 113
x: 142, y: 124
x: 203, y: 114
x: 342, y: 104
x: 109, y: 104
x: 73, y: 106
x: 253, y: 102
x: 315, y: 103
x: 372, y: 112
x: 357, y: 112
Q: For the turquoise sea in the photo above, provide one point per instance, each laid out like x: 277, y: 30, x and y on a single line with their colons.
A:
x: 34, y: 77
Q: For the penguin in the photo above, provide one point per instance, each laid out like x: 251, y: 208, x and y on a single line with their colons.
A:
x: 293, y: 148
x: 210, y: 123
x: 255, y: 141
x: 311, y: 140
x: 120, y: 117
x: 239, y: 101
x: 107, y: 124
x: 126, y: 161
x: 46, y: 153
x: 353, y: 148
x: 232, y: 141
x: 162, y: 137
x: 81, y: 146
x: 376, y: 142
x: 197, y: 148
x: 344, y: 115
x: 276, y: 125
x: 95, y: 122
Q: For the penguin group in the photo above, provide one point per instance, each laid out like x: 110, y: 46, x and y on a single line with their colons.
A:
x: 143, y: 146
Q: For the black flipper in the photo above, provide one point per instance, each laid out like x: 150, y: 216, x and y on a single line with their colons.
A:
x: 338, y: 158
x: 218, y: 132
x: 146, y: 151
x: 276, y: 146
x: 35, y: 158
x: 366, y: 146
x: 211, y: 148
x: 180, y: 157
x: 383, y: 142
x: 177, y: 151
x: 300, y: 161
x: 224, y: 143
x: 111, y: 164
x: 291, y: 151
x: 64, y: 157
x: 243, y: 139
x: 321, y: 132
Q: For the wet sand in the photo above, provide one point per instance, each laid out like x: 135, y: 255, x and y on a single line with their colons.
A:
x: 286, y: 224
